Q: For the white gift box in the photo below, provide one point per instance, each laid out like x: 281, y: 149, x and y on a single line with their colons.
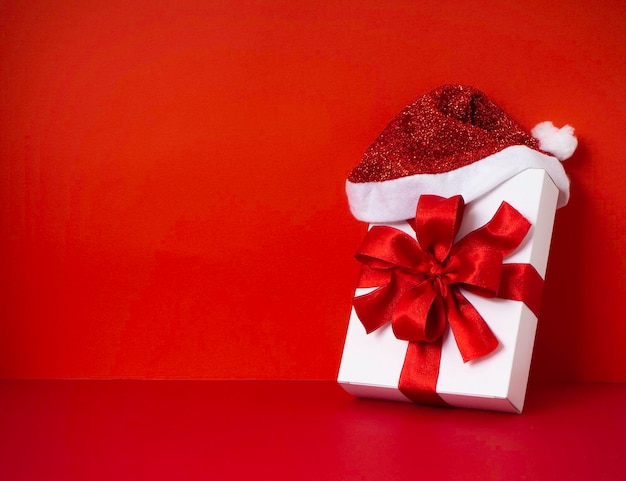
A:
x: 371, y: 363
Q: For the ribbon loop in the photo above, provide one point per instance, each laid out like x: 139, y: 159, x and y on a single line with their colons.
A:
x: 477, y: 270
x: 505, y: 232
x: 387, y: 248
x: 437, y: 221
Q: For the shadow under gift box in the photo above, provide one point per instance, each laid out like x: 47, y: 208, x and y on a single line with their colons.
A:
x: 371, y: 363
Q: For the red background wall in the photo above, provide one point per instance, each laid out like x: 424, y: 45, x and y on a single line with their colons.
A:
x: 171, y: 199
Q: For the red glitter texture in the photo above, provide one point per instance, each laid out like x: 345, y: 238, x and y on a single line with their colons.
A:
x: 452, y: 126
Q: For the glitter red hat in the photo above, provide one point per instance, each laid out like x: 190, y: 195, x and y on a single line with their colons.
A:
x: 453, y: 140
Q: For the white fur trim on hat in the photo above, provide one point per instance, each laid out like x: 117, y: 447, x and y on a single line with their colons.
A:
x: 396, y: 199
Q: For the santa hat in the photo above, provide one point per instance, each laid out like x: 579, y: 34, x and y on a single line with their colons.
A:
x: 453, y: 140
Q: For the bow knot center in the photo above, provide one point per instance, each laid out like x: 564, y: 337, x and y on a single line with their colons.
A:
x: 436, y: 274
x: 434, y: 270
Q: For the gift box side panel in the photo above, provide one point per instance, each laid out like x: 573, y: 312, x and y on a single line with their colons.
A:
x: 522, y: 359
x: 484, y: 403
x: 543, y: 224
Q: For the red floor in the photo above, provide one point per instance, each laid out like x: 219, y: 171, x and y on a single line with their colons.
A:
x: 188, y: 430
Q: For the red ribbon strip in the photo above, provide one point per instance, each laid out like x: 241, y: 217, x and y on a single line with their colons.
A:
x: 418, y: 285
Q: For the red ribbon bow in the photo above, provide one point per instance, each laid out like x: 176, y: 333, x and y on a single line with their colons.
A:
x: 419, y: 284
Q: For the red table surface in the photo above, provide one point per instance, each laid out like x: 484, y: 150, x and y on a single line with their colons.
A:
x: 189, y: 430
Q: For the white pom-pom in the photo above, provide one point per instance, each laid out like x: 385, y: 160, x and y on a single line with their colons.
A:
x: 559, y: 142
